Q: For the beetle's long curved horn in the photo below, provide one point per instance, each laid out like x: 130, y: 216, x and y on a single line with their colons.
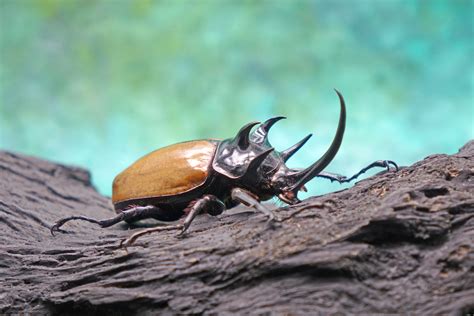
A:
x: 243, y: 136
x: 258, y: 160
x: 310, y: 172
x: 286, y: 154
x: 260, y: 135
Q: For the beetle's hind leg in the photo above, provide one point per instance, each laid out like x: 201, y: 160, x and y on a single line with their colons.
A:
x: 341, y: 179
x: 130, y: 215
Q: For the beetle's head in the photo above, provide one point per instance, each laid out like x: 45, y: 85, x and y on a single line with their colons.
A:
x: 251, y: 162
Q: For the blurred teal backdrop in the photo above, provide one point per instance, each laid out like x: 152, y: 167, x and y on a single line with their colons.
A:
x: 100, y: 83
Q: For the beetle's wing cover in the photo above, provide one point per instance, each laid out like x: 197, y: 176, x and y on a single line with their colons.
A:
x: 167, y: 171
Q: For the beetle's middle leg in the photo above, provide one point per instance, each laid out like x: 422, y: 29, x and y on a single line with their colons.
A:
x: 130, y: 215
x: 208, y: 203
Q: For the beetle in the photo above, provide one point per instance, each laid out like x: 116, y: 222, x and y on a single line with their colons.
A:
x: 209, y: 176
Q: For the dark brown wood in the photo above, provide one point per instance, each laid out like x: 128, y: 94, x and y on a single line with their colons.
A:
x: 394, y: 243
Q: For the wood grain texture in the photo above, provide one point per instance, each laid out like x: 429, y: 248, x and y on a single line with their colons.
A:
x: 394, y: 243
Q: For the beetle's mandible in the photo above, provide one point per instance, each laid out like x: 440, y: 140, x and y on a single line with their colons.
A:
x: 209, y: 176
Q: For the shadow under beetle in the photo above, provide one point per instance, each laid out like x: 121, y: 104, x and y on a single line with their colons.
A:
x: 209, y: 176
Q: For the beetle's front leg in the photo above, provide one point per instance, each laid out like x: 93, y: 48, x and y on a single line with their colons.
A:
x: 341, y: 179
x: 378, y: 163
x: 250, y: 200
x: 332, y: 176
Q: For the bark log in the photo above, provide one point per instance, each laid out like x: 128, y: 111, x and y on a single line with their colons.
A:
x: 393, y: 243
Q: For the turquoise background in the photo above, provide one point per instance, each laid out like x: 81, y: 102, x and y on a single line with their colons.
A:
x: 100, y: 83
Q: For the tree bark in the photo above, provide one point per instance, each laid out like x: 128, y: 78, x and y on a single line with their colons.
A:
x: 393, y: 243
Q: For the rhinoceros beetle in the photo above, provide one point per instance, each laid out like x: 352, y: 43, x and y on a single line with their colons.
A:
x: 209, y: 176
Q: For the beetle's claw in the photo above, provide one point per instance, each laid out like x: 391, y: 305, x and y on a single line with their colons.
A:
x: 274, y: 222
x: 124, y: 243
x: 182, y: 233
x: 389, y: 162
x: 55, y: 228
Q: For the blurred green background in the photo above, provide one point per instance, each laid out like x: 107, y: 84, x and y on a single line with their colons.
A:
x: 100, y: 83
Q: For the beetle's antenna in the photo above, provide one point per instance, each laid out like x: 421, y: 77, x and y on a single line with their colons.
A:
x: 243, y: 138
x: 261, y: 134
x: 286, y: 154
x: 310, y: 172
x: 257, y: 161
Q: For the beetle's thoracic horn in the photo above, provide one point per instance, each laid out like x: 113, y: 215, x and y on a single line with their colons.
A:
x: 286, y: 154
x: 310, y: 172
x: 242, y: 138
x: 258, y: 160
x: 260, y: 135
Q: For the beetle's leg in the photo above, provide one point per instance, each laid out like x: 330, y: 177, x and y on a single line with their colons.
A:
x: 250, y: 200
x: 378, y: 163
x: 208, y: 203
x: 132, y: 214
x: 341, y: 179
x: 332, y: 176
x: 130, y: 240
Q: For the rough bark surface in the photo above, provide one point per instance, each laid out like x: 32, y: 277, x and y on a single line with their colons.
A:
x: 393, y: 243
